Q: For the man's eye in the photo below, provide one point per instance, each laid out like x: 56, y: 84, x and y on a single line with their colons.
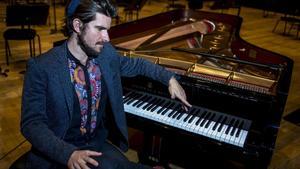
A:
x: 101, y: 28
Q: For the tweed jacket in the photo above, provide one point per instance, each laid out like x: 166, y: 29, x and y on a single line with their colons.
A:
x: 47, y: 101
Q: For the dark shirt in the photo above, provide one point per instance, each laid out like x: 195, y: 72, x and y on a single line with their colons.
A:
x: 91, y: 139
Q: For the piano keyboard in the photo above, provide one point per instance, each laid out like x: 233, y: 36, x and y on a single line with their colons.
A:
x: 215, y: 125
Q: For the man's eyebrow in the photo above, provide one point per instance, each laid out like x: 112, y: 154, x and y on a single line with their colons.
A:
x: 100, y: 27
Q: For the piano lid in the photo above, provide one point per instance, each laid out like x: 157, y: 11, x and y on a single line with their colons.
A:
x: 245, y: 66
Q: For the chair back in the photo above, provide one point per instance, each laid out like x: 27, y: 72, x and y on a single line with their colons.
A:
x: 27, y: 14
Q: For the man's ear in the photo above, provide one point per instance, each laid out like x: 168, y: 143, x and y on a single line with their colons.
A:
x: 77, y: 24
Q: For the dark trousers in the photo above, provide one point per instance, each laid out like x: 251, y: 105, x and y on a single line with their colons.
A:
x: 113, y: 158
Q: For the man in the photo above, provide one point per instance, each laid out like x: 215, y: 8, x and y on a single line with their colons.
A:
x: 67, y: 89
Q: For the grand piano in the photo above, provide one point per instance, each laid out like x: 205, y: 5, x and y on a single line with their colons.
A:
x: 238, y: 92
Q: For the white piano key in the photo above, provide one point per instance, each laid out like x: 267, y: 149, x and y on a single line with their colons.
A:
x: 192, y: 125
x: 180, y: 122
x: 209, y: 129
x: 228, y: 136
x: 223, y: 134
x: 243, y: 137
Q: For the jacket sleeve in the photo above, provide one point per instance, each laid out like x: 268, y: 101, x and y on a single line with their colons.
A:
x: 137, y: 66
x: 34, y: 120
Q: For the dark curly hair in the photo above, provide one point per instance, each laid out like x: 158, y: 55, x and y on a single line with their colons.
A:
x: 86, y: 10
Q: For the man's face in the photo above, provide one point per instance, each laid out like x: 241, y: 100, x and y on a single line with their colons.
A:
x: 93, y: 35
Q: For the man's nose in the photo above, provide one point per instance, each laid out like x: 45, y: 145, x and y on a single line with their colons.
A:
x: 105, y: 36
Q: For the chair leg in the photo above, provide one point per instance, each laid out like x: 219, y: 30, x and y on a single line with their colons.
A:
x: 30, y: 48
x: 39, y: 40
x: 292, y: 25
x: 285, y: 25
x: 33, y: 44
x: 276, y: 25
x: 7, y: 52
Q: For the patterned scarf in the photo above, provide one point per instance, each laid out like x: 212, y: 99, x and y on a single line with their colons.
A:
x: 81, y: 88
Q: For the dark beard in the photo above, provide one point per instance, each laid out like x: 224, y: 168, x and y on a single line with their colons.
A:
x: 90, y: 52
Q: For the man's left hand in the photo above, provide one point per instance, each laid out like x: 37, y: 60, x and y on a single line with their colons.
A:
x: 177, y: 91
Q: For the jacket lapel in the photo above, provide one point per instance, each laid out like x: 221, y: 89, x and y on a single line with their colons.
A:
x: 109, y: 71
x: 64, y: 77
x: 106, y: 71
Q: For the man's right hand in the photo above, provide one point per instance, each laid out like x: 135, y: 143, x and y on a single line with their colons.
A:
x: 80, y: 158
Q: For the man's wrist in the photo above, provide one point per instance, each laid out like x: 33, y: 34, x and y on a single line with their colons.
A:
x: 171, y: 79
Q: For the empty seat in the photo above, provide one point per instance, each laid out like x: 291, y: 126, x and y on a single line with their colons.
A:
x: 24, y: 15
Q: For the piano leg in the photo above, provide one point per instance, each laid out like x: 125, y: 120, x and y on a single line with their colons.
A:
x: 153, y: 151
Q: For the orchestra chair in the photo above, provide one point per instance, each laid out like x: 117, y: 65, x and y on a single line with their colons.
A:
x: 19, y: 19
x: 133, y: 8
x: 195, y: 4
x: 295, y: 24
x: 227, y: 4
x: 290, y: 15
x: 20, y: 162
x: 287, y: 19
x: 172, y: 5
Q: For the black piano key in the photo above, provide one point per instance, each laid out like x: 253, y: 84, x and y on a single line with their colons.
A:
x: 181, y: 114
x: 161, y: 102
x: 194, y: 115
x: 229, y: 126
x: 240, y: 128
x: 126, y: 93
x: 197, y: 113
x: 153, y: 104
x: 205, y: 119
x: 190, y: 113
x: 178, y: 112
x: 141, y: 100
x: 149, y: 102
x: 217, y: 122
x: 201, y: 117
x: 176, y: 107
x: 128, y: 97
x: 210, y: 120
x: 234, y: 127
x: 137, y: 97
x: 168, y: 108
x: 164, y: 106
x: 132, y: 98
x: 222, y: 124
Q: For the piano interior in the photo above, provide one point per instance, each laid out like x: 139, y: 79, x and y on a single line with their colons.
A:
x: 228, y: 81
